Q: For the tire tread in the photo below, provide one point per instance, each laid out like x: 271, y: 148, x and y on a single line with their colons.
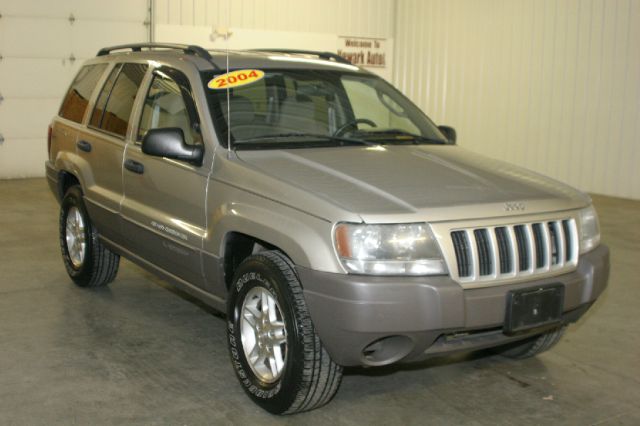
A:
x: 102, y: 264
x: 321, y: 376
x: 105, y: 263
x: 534, y: 346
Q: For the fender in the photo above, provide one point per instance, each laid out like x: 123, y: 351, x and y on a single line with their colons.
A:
x: 79, y: 167
x: 306, y: 239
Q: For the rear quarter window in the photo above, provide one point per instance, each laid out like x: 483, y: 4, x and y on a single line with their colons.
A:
x: 77, y: 98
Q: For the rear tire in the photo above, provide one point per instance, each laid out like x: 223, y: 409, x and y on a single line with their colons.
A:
x: 275, y: 351
x: 533, y: 345
x: 88, y: 262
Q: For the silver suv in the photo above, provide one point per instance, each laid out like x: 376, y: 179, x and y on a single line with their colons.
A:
x: 333, y: 222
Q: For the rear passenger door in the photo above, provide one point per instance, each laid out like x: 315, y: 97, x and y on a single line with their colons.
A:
x: 102, y: 145
x: 163, y: 210
x: 74, y: 107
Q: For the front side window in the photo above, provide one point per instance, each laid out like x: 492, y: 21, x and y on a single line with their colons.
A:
x: 330, y: 107
x: 76, y: 101
x: 113, y: 108
x: 169, y: 103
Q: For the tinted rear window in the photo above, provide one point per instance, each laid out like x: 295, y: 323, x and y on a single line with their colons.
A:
x: 75, y: 102
x: 98, y: 110
x: 118, y: 98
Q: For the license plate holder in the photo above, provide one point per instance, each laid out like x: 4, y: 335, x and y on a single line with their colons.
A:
x: 533, y: 307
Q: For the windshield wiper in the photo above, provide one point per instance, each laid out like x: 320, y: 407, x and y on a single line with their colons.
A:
x: 276, y: 139
x: 399, y: 132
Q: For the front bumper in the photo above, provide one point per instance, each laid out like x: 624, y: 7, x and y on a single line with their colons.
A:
x: 416, y: 317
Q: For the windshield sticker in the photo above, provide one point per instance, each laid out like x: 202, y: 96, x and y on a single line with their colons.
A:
x: 235, y: 79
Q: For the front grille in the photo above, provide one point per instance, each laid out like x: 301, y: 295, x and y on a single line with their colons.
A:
x: 504, y: 248
x: 510, y: 251
x: 567, y: 227
x: 463, y: 252
x: 523, y: 246
x: 484, y: 257
x: 540, y: 245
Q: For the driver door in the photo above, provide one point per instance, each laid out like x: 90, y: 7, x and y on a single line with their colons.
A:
x: 163, y: 210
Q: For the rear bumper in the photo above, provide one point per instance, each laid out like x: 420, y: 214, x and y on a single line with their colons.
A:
x: 421, y: 317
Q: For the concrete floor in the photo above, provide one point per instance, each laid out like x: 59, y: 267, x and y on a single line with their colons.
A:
x: 139, y: 353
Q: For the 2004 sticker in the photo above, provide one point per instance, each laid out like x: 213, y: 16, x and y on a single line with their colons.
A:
x: 235, y: 79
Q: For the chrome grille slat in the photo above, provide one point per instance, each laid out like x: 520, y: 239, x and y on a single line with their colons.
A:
x: 514, y: 249
x: 507, y: 252
x: 566, y: 229
x: 554, y: 244
x: 473, y: 248
x: 562, y: 244
x: 495, y: 254
x: 547, y: 246
x: 531, y: 243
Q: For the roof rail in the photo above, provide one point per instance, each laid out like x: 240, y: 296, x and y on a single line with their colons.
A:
x: 137, y: 47
x: 321, y: 55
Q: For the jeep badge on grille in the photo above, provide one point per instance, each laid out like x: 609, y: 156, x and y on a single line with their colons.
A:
x: 513, y: 207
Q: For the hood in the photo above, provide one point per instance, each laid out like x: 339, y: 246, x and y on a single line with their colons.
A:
x: 421, y: 182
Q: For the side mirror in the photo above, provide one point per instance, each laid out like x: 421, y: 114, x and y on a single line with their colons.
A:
x: 169, y: 142
x: 449, y: 133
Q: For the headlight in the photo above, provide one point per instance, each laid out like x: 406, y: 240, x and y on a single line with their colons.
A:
x: 589, y: 229
x: 404, y: 249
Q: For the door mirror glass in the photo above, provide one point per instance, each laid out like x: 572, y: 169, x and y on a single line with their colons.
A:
x: 169, y: 143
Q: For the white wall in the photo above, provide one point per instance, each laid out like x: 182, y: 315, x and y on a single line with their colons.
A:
x: 292, y: 24
x: 37, y: 38
x: 365, y: 18
x: 553, y: 85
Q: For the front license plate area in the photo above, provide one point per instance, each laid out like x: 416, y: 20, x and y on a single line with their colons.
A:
x: 533, y: 307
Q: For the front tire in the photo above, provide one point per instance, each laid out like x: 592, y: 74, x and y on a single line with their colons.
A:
x: 88, y: 262
x: 533, y: 345
x: 275, y: 351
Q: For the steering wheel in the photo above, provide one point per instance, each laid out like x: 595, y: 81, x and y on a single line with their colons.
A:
x: 340, y: 130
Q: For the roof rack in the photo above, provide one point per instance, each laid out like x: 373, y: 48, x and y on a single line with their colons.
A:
x: 137, y: 47
x: 321, y: 55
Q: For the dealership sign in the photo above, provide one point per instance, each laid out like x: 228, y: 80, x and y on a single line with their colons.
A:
x: 374, y: 54
x: 364, y: 52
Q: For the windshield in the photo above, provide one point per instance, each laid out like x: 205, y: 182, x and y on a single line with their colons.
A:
x: 301, y: 108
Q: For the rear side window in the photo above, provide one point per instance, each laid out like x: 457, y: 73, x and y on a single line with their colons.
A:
x: 98, y: 110
x: 75, y: 102
x: 113, y: 108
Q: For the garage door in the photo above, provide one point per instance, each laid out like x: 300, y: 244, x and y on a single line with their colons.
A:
x: 42, y: 45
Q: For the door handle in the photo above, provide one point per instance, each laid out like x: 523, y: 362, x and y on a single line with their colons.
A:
x: 84, y: 146
x: 134, y: 166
